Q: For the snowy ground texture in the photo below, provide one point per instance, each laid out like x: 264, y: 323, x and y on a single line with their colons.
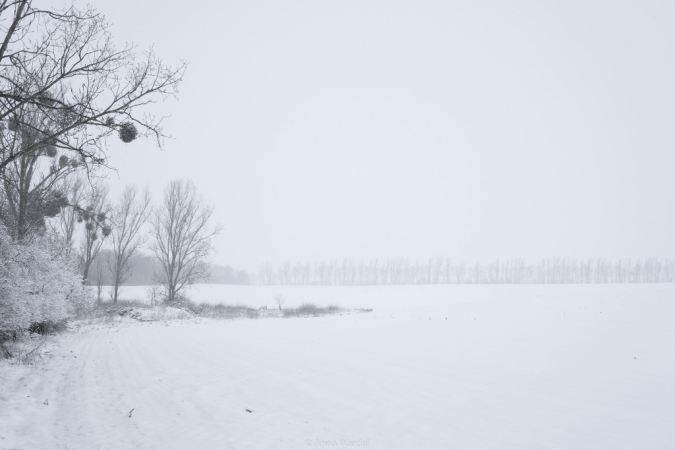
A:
x: 432, y: 367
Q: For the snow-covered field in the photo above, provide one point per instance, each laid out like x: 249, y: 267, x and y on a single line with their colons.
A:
x: 432, y: 367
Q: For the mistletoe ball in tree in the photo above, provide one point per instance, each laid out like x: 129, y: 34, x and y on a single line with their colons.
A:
x: 128, y: 132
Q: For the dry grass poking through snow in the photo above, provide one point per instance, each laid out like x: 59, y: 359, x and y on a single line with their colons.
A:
x: 222, y: 311
x: 186, y: 309
x: 108, y: 309
x: 25, y: 347
x: 25, y: 350
x: 310, y: 309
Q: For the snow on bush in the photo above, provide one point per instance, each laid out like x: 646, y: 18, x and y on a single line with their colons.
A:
x: 39, y: 282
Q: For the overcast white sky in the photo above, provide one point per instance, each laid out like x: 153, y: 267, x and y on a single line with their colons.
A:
x: 475, y: 130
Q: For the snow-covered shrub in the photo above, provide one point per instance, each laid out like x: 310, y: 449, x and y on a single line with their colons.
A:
x: 38, y: 283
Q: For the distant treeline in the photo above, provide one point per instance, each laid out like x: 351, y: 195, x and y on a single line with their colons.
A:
x: 144, y: 267
x: 401, y: 271
x: 397, y: 271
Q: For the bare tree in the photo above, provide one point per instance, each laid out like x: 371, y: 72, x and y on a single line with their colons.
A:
x: 267, y: 276
x: 73, y: 188
x: 96, y: 228
x: 182, y: 237
x: 64, y: 83
x: 129, y: 215
x: 99, y: 281
x: 31, y: 189
x: 279, y: 300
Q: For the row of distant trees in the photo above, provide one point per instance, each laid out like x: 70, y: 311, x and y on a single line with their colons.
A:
x: 399, y: 271
x: 145, y: 269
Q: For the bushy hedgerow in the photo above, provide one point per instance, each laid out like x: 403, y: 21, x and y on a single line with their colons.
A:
x: 39, y: 282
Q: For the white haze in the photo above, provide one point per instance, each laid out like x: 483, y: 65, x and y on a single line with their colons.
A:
x: 475, y: 130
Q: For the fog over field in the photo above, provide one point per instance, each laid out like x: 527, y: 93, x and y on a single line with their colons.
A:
x: 380, y: 224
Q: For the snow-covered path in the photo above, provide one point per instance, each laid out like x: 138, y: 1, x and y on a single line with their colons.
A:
x: 582, y: 367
